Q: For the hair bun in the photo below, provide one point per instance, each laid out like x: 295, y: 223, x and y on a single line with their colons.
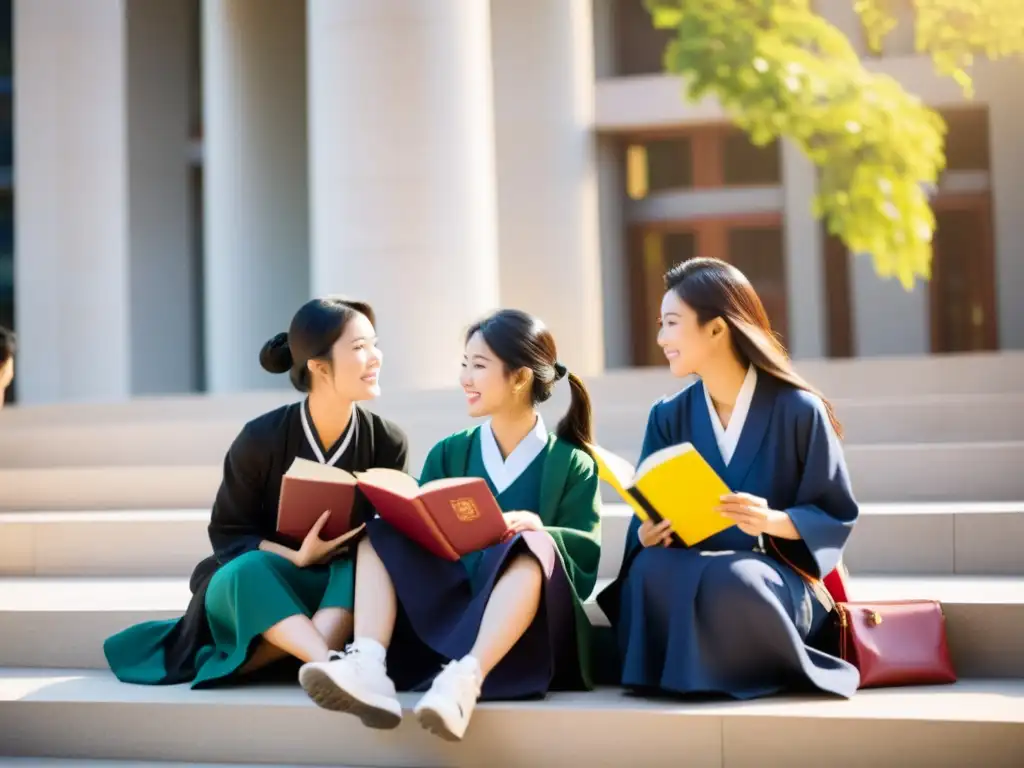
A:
x: 276, y: 355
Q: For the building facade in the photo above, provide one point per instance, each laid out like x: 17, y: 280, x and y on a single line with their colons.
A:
x: 190, y: 171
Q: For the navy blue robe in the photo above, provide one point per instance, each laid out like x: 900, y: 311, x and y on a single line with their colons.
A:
x: 724, y: 616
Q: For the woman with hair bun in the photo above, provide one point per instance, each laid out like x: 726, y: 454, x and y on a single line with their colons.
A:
x: 506, y: 622
x: 259, y: 599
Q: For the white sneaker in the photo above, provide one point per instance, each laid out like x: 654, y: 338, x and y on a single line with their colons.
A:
x: 355, y: 683
x: 446, y: 708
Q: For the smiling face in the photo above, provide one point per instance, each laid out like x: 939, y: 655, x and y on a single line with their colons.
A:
x: 355, y: 363
x: 489, y: 389
x: 688, y: 345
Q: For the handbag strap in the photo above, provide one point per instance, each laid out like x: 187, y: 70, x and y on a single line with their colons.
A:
x: 817, y: 586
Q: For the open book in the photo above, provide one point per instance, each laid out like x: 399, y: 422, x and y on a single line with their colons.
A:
x: 308, y: 489
x: 674, y: 484
x: 449, y: 517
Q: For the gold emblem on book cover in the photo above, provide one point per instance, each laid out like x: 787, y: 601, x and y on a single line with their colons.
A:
x: 465, y: 510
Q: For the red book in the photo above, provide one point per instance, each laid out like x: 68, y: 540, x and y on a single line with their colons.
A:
x: 449, y: 517
x: 308, y: 489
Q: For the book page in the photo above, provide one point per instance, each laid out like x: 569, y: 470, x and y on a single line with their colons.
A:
x: 449, y: 482
x: 618, y: 473
x: 304, y: 469
x: 660, y: 457
x: 613, y: 469
x: 393, y: 480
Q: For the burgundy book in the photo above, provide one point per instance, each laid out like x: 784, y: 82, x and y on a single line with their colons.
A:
x: 308, y: 489
x: 449, y: 517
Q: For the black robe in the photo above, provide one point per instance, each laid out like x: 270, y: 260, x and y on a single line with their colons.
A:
x: 245, y: 510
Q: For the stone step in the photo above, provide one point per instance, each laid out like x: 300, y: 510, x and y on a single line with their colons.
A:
x: 931, y: 538
x: 899, y: 473
x: 982, y: 539
x: 194, y: 440
x: 57, y: 762
x: 881, y: 377
x: 72, y: 713
x: 985, y: 616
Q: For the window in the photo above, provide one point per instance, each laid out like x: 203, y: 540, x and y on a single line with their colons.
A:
x: 658, y: 165
x: 967, y: 145
x: 6, y: 38
x: 759, y: 252
x: 639, y: 47
x: 702, y: 158
x: 754, y: 244
x: 838, y: 302
x: 962, y: 289
x: 746, y: 164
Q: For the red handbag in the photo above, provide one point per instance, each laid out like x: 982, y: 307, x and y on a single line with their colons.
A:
x: 891, y: 643
x: 836, y: 584
x: 895, y: 643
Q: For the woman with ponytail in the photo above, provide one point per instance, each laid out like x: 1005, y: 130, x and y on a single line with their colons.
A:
x: 735, y: 614
x: 262, y: 598
x: 506, y: 622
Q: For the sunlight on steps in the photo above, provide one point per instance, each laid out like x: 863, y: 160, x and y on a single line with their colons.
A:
x: 103, y: 513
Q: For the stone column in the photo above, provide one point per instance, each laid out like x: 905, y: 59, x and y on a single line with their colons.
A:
x: 805, y: 268
x: 402, y: 173
x: 548, y: 230
x: 1006, y: 116
x: 255, y: 183
x: 165, y: 305
x: 887, y: 320
x: 71, y: 227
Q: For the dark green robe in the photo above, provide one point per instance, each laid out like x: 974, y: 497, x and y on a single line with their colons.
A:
x: 561, y: 487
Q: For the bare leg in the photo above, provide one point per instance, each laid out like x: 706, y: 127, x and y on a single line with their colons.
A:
x: 375, y: 606
x: 264, y: 655
x: 509, y: 612
x: 298, y: 637
x: 334, y: 625
x: 357, y: 682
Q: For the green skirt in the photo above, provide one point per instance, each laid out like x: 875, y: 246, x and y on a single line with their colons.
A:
x: 245, y: 598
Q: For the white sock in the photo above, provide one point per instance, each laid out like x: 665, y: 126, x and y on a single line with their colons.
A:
x: 472, y: 664
x: 370, y: 648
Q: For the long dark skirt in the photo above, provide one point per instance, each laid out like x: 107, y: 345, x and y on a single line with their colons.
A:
x: 732, y: 623
x: 441, y: 605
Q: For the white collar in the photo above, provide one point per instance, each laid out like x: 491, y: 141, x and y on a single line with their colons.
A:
x: 729, y: 438
x: 505, y: 472
x: 350, y: 432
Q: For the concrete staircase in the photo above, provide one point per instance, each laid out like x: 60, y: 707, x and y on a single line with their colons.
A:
x: 103, y: 511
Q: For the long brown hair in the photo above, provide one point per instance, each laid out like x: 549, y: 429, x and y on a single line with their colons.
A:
x: 522, y: 341
x: 714, y: 288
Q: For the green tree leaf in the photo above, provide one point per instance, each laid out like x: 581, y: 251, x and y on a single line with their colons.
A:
x: 782, y: 71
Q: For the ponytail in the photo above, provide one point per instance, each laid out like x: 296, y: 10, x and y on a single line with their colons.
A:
x: 577, y: 426
x: 521, y: 341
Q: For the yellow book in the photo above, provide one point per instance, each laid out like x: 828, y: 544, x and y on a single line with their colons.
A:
x: 674, y: 484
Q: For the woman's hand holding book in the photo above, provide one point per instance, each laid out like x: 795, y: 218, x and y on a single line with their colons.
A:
x: 315, y: 550
x: 523, y: 521
x: 655, y: 534
x: 754, y: 517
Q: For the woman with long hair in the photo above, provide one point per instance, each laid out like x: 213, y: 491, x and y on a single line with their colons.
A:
x: 735, y: 614
x: 262, y: 598
x: 505, y: 622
